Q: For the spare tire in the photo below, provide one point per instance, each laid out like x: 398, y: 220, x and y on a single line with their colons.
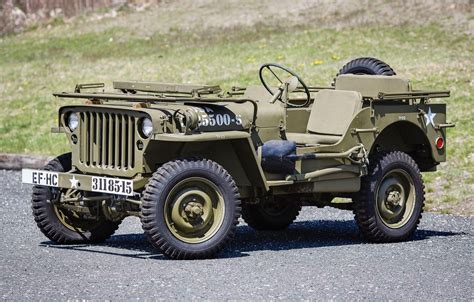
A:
x: 367, y: 65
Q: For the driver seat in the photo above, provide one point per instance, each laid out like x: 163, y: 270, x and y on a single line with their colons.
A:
x: 331, y: 114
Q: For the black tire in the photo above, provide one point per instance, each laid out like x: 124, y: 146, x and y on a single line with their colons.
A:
x: 385, y: 170
x: 367, y: 65
x: 48, y: 222
x: 170, y: 180
x: 279, y: 217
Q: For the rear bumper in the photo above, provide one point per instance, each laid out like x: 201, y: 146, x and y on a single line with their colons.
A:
x: 99, y: 184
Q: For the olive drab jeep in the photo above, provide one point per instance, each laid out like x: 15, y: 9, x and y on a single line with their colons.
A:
x: 189, y: 160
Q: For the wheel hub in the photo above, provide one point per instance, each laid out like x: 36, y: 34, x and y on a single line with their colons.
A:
x: 193, y: 210
x: 395, y: 198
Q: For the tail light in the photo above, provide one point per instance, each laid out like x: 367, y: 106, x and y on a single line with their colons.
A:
x: 439, y: 143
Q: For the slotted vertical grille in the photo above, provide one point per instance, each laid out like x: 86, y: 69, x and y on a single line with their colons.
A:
x: 107, y: 140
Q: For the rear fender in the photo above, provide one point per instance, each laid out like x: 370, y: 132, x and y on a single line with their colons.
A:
x: 406, y: 128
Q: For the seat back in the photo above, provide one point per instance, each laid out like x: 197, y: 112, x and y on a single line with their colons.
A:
x: 333, y: 111
x: 371, y: 85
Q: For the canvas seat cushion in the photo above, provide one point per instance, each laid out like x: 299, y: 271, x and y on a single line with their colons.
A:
x: 313, y: 139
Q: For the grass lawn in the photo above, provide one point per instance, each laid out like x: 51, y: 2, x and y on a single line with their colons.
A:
x: 38, y: 62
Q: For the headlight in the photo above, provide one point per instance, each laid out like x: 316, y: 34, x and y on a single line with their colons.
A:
x: 147, y: 127
x: 72, y: 121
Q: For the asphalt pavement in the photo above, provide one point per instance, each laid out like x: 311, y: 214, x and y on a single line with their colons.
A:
x: 320, y: 257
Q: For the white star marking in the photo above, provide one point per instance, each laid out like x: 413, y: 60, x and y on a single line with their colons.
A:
x: 429, y: 117
x: 74, y: 182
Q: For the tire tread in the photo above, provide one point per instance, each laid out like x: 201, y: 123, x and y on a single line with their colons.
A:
x: 50, y: 226
x: 151, y: 194
x: 363, y: 203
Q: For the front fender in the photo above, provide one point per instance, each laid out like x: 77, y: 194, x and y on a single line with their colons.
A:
x: 233, y: 150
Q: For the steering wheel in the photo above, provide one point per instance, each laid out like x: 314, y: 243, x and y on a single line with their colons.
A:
x: 269, y: 67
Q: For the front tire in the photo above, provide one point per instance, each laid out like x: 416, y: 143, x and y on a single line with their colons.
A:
x: 190, y: 209
x: 60, y: 225
x: 389, y: 205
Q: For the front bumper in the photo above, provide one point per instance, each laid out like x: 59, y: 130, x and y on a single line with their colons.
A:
x: 108, y: 185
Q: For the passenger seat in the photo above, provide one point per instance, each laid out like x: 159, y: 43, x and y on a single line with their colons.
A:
x: 331, y: 114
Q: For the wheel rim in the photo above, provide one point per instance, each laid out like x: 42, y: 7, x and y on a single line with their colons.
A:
x: 69, y: 218
x: 396, y: 198
x: 194, y: 210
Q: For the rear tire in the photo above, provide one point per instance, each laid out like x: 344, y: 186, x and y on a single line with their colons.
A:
x: 190, y: 209
x: 59, y: 225
x: 270, y: 216
x: 390, y: 203
x: 367, y: 65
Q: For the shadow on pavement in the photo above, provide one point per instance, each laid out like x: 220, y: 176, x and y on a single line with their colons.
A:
x: 300, y: 235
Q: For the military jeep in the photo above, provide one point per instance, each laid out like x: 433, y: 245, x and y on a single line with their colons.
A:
x: 189, y: 160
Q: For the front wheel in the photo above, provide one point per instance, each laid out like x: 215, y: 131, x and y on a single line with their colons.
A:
x: 190, y: 208
x: 62, y: 224
x: 390, y: 203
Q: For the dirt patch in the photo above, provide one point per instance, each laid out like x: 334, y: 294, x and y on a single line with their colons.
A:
x: 463, y: 208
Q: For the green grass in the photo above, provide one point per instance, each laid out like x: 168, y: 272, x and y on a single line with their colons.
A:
x: 34, y: 64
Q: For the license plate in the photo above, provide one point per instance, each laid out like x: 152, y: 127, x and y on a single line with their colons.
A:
x: 99, y: 184
x: 112, y: 185
x: 39, y: 177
